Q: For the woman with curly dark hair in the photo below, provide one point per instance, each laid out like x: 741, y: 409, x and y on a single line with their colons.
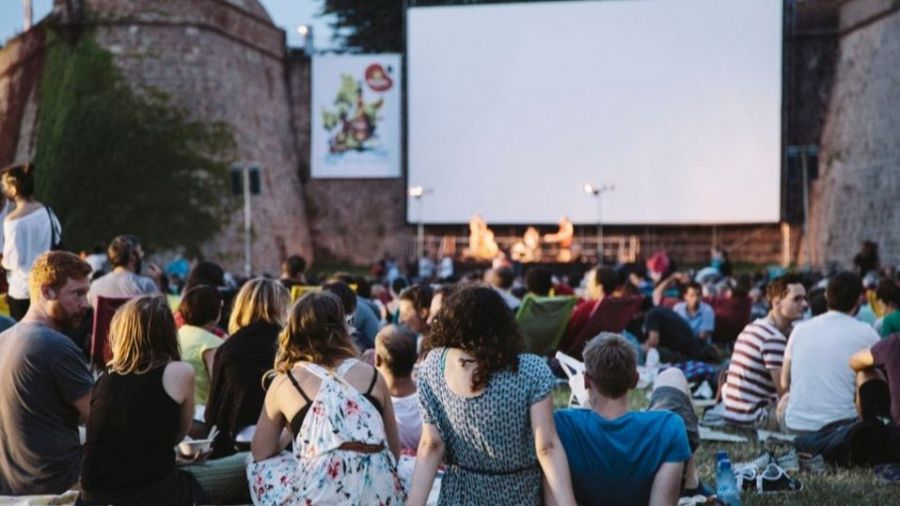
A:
x: 486, y: 411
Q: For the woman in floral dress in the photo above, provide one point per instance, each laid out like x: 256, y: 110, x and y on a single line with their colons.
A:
x: 335, y: 409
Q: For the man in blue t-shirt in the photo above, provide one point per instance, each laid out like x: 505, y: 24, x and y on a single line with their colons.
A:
x: 620, y: 457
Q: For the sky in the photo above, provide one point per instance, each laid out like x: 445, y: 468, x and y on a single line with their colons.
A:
x: 287, y: 14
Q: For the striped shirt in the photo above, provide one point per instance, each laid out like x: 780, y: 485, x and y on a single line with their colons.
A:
x: 759, y: 349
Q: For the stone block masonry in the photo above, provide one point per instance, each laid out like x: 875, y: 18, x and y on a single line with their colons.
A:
x: 857, y: 195
x: 222, y: 61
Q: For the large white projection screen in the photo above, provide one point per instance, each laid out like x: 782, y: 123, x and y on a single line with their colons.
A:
x: 514, y: 107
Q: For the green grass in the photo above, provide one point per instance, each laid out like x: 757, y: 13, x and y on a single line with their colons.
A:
x: 838, y: 487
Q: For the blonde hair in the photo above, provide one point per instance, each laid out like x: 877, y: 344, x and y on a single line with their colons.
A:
x: 143, y: 336
x: 316, y: 332
x: 259, y: 299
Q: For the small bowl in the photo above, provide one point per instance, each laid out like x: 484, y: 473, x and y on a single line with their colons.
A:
x: 191, y: 447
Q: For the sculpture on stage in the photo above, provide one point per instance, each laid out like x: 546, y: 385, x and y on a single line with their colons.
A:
x: 563, y: 237
x: 482, y: 245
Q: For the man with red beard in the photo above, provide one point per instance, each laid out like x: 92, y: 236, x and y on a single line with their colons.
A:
x: 45, y: 383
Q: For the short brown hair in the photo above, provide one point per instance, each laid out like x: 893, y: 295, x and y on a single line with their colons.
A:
x: 778, y: 288
x: 611, y: 363
x: 200, y: 305
x: 342, y: 291
x: 55, y: 269
x: 888, y: 291
x: 843, y: 291
x: 399, y: 343
x: 419, y: 295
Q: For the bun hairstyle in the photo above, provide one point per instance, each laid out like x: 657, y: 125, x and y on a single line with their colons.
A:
x: 21, y: 177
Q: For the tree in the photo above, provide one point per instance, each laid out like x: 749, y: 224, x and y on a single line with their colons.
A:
x: 370, y: 26
x: 113, y: 160
x: 374, y: 26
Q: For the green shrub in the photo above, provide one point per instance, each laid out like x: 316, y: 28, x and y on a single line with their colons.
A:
x: 111, y: 159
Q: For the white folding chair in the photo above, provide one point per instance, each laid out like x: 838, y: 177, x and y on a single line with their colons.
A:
x: 575, y: 371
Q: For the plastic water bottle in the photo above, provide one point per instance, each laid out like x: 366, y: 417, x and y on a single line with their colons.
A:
x: 720, y: 456
x: 726, y: 484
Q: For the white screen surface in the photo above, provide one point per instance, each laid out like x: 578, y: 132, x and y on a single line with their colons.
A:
x: 514, y: 107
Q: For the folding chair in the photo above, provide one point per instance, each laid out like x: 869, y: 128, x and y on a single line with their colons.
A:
x: 611, y: 315
x: 732, y: 315
x: 103, y: 315
x: 298, y: 291
x: 542, y: 321
x: 575, y: 371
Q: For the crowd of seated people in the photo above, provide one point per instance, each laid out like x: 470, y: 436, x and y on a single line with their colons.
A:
x: 314, y: 394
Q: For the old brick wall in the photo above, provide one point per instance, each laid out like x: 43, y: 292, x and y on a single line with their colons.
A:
x: 222, y: 63
x: 21, y: 61
x: 856, y: 197
x: 351, y: 220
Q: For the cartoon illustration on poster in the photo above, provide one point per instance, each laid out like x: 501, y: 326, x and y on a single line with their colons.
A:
x: 356, y: 124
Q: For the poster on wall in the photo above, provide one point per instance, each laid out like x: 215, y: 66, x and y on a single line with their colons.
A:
x: 356, y: 116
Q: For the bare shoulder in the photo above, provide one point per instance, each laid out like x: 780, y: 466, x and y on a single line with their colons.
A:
x: 364, y: 374
x: 278, y: 381
x: 363, y: 370
x: 178, y: 380
x: 22, y: 211
x: 178, y: 370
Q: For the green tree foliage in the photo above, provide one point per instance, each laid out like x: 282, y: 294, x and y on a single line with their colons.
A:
x: 370, y: 26
x: 375, y: 26
x: 113, y: 160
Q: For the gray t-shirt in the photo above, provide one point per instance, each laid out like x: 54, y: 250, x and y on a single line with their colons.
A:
x: 121, y: 285
x: 42, y: 373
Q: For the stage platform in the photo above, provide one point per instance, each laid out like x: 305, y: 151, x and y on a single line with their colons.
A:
x: 574, y: 270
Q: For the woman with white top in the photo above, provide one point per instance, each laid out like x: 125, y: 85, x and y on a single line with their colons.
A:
x: 28, y: 230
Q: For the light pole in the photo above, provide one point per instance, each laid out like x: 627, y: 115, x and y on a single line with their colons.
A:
x: 29, y: 16
x: 597, y: 191
x: 248, y: 223
x: 306, y: 35
x: 417, y: 192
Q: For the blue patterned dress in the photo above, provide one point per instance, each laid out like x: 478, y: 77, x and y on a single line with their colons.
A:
x: 488, y: 441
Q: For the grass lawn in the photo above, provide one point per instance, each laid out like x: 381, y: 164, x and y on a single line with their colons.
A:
x: 836, y: 487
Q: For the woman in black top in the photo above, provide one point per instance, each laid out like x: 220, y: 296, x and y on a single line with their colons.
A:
x: 141, y: 407
x: 236, y: 393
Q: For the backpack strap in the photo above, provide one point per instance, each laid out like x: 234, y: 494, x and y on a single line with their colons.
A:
x: 372, y: 384
x: 344, y: 367
x: 54, y: 233
x: 318, y: 370
x: 298, y: 387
